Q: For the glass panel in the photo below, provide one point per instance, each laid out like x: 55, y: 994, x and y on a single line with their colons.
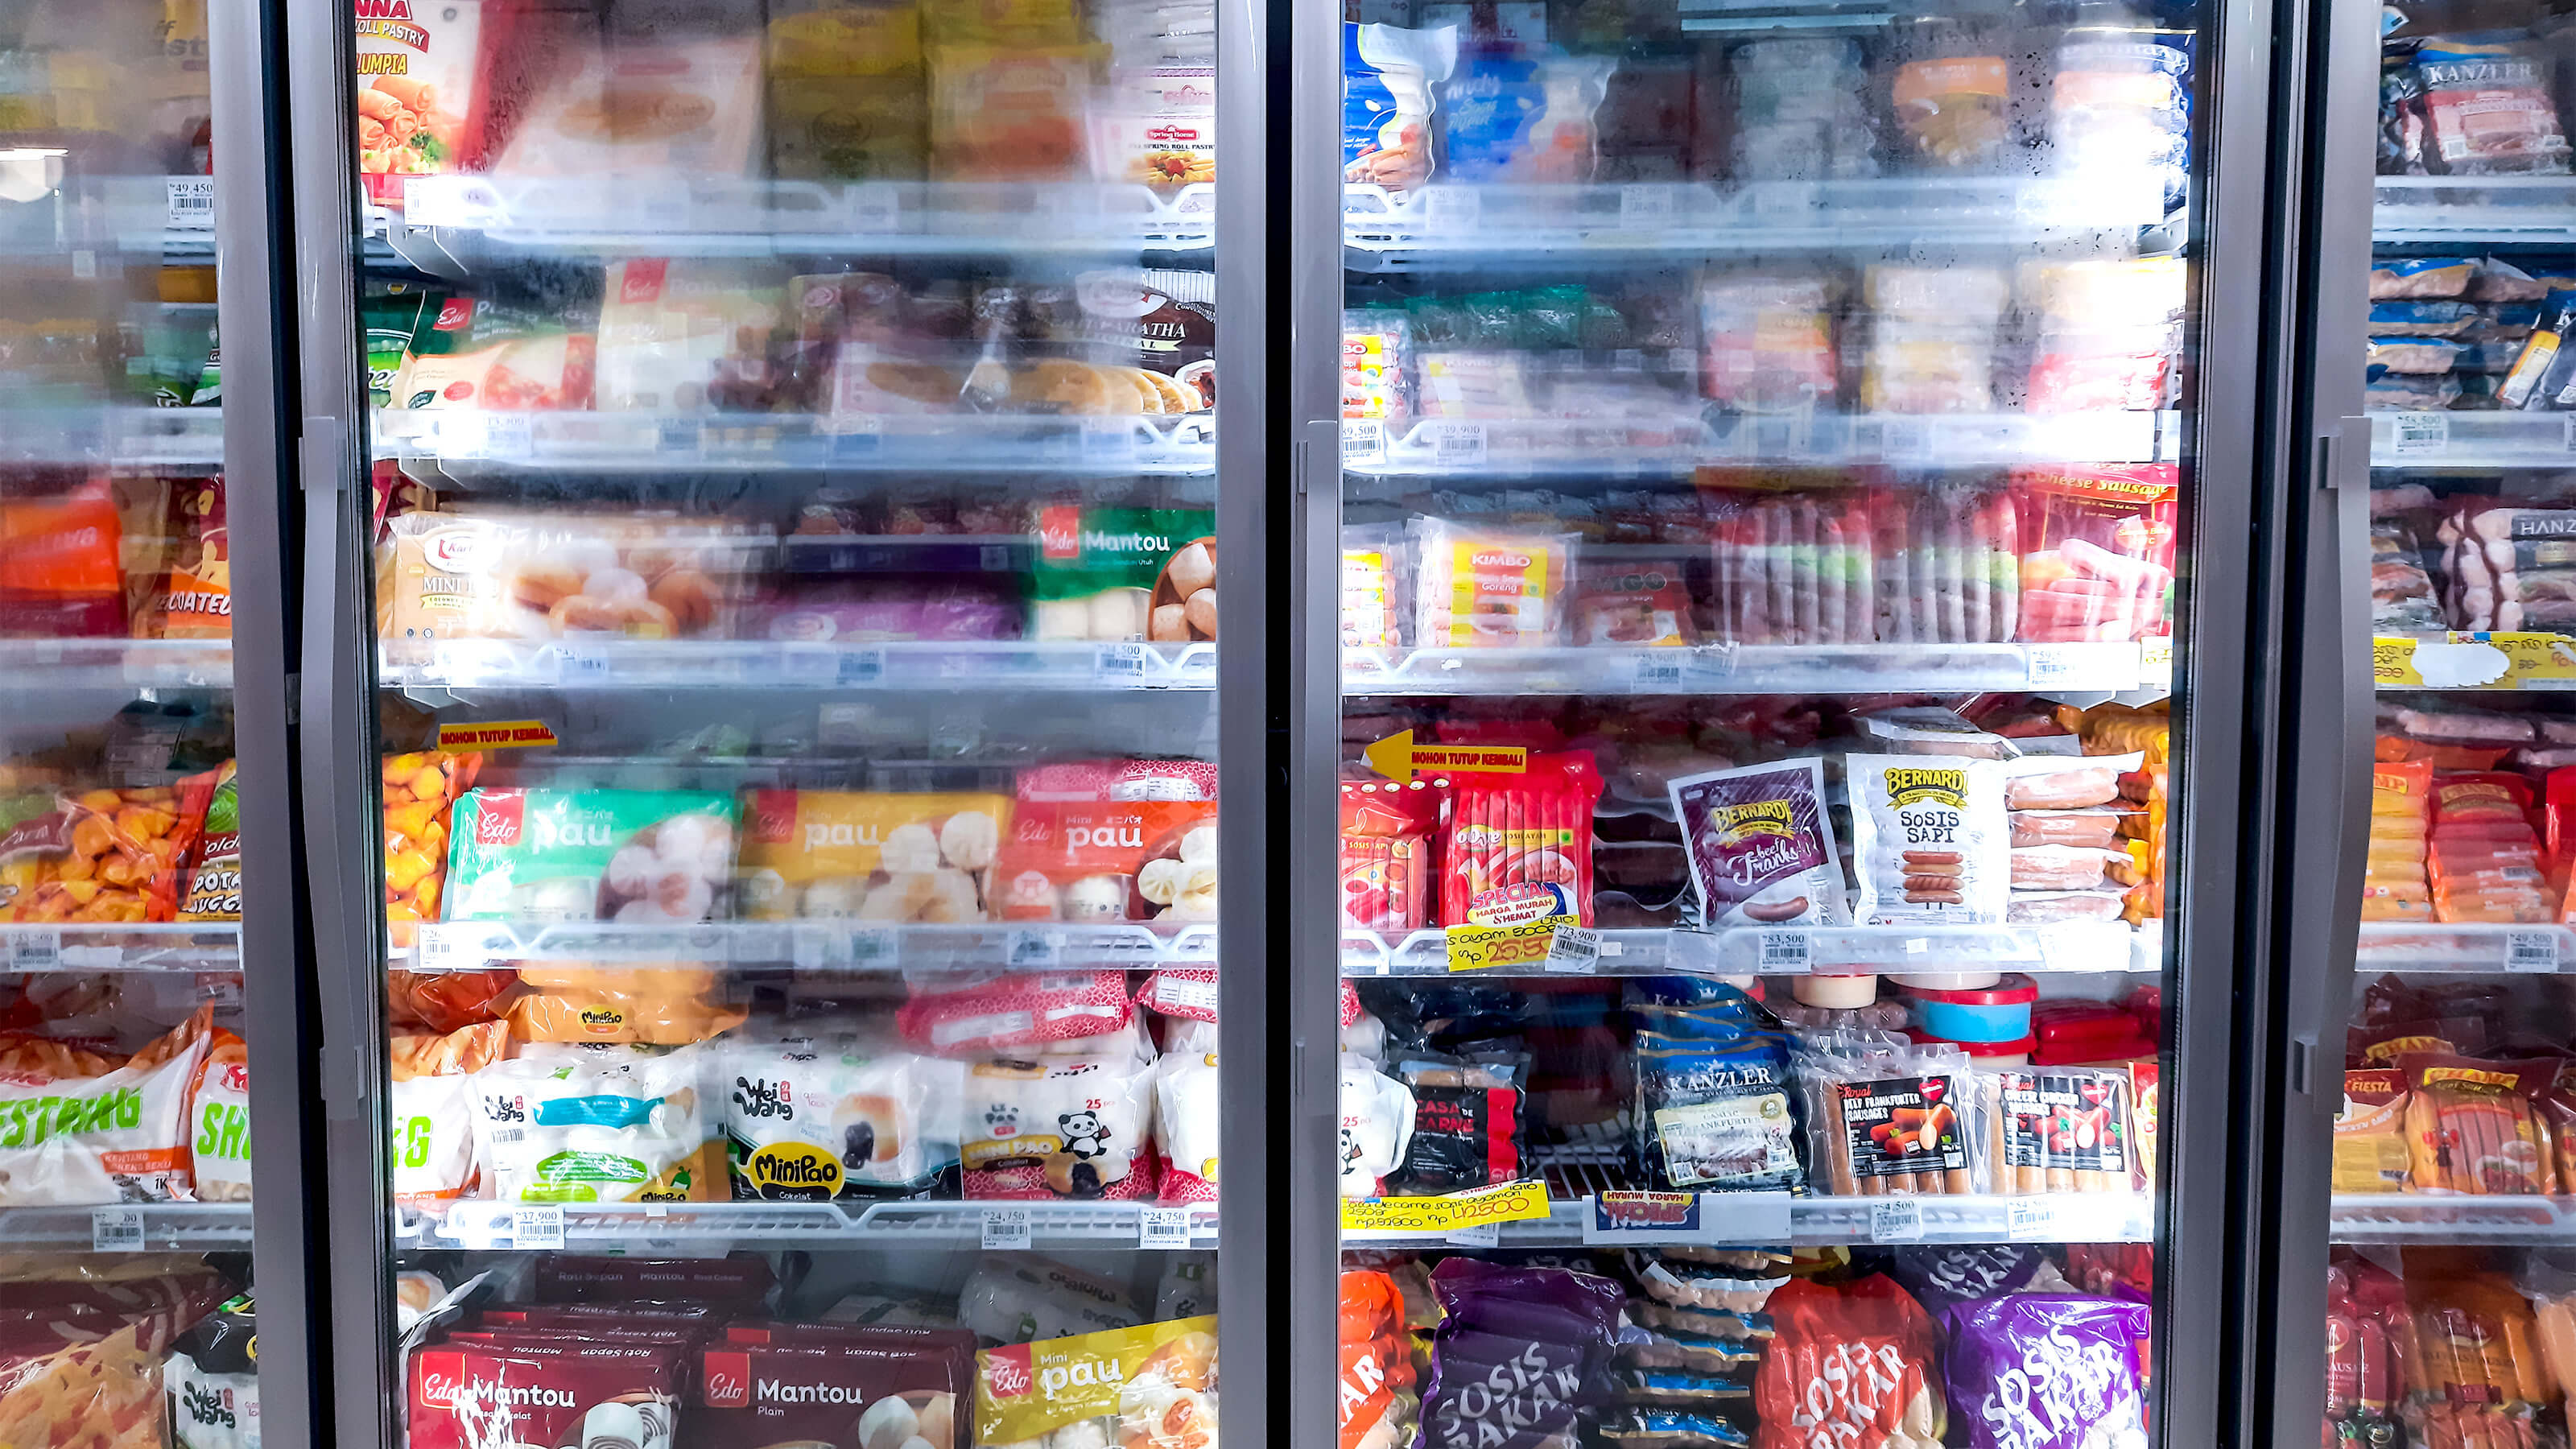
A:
x: 2449, y: 1172
x: 1763, y: 490
x: 125, y: 1172
x: 797, y: 624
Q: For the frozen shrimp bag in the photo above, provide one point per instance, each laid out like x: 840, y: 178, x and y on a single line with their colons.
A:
x: 1929, y: 839
x: 1487, y: 588
x: 655, y: 857
x: 825, y: 854
x: 1518, y: 848
x: 1761, y: 845
x: 2097, y: 551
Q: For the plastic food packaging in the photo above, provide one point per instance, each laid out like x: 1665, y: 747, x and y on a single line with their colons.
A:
x: 588, y: 1127
x: 1931, y: 338
x: 1157, y: 127
x: 1954, y: 111
x: 1186, y: 1100
x: 2487, y: 110
x: 960, y: 1015
x: 477, y: 353
x: 1125, y: 573
x: 1519, y: 114
x: 1376, y: 1363
x: 420, y: 95
x: 1793, y: 568
x: 1478, y: 588
x: 526, y: 579
x: 1761, y: 845
x: 680, y: 334
x: 809, y: 1120
x: 2097, y: 552
x: 1468, y: 1125
x: 656, y: 857
x: 619, y: 1005
x: 1805, y: 1392
x: 817, y: 854
x: 2084, y: 1349
x: 1022, y: 1298
x: 84, y: 1129
x: 1059, y: 1127
x: 1891, y: 1124
x: 1930, y: 837
x: 1151, y: 1384
x: 2512, y: 568
x: 2419, y: 277
x: 846, y: 94
x: 1084, y: 847
x: 912, y: 1383
x: 1544, y: 1329
x: 2472, y: 1126
x: 1010, y: 112
x: 2000, y: 1012
x: 1716, y: 1114
x: 1389, y: 76
x: 430, y: 1110
x: 420, y: 790
x: 1388, y: 876
x: 1518, y: 848
x: 1801, y: 112
x: 555, y: 1392
x: 1376, y: 1126
x: 2054, y: 1130
x: 1377, y: 363
x: 210, y: 886
x: 1768, y: 341
x: 219, y: 1123
x: 651, y: 112
x: 93, y: 856
x: 2371, y: 1152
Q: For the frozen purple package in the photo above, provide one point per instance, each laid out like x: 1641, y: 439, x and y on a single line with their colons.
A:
x: 1760, y: 845
x: 1597, y: 1298
x: 2048, y: 1371
x: 965, y: 612
x: 872, y: 614
x: 1495, y: 1383
x: 1944, y: 1275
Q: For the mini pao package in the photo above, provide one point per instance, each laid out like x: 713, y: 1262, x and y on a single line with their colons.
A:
x: 1150, y: 1386
x: 646, y: 857
x: 808, y: 1120
x: 577, y: 1125
x: 1059, y: 1127
x: 832, y: 854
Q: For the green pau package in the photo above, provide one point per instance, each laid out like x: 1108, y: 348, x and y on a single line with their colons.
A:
x: 644, y: 856
x: 1125, y: 573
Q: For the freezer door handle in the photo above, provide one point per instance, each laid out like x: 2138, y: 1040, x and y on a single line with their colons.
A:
x: 2343, y: 457
x: 2303, y: 1065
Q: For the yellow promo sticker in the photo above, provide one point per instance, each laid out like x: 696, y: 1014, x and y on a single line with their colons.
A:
x: 2474, y: 659
x: 2392, y: 662
x: 1399, y: 759
x: 508, y: 734
x: 1510, y: 1202
x: 1486, y: 948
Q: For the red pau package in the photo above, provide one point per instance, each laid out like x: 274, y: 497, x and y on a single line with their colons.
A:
x: 2097, y: 551
x: 1124, y: 840
x: 1518, y: 848
x: 474, y: 1396
x: 856, y: 1390
x: 1850, y: 1367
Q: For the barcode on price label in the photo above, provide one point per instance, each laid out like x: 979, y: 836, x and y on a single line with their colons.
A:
x: 116, y: 1230
x: 1006, y: 1230
x: 2053, y: 663
x: 537, y: 1226
x: 1645, y: 206
x: 2531, y: 951
x: 2030, y: 1219
x: 581, y: 661
x: 1364, y: 441
x: 862, y: 666
x: 872, y: 946
x: 1456, y: 445
x: 1478, y: 1235
x: 2417, y: 435
x: 1659, y: 669
x: 192, y: 203
x: 1574, y: 949
x: 506, y: 437
x: 1026, y: 950
x: 1898, y: 1220
x: 1120, y: 664
x: 1163, y: 1228
x: 1785, y: 951
x: 1453, y: 206
x: 35, y: 950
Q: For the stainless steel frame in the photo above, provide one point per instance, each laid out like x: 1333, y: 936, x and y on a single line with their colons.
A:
x: 287, y: 1238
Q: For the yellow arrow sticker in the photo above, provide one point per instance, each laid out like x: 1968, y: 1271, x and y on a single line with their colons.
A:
x: 508, y: 734
x: 1398, y: 758
x: 1511, y: 1202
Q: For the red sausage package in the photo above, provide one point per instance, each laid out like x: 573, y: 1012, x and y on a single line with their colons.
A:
x: 1388, y: 869
x: 1851, y: 1367
x: 2097, y: 551
x: 1518, y: 848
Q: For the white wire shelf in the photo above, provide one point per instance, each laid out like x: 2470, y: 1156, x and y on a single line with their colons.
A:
x: 591, y: 662
x: 465, y: 441
x: 945, y: 1225
x: 1667, y: 435
x: 2088, y: 947
x: 109, y: 663
x: 183, y: 946
x: 2466, y: 210
x: 1749, y: 669
x: 818, y: 945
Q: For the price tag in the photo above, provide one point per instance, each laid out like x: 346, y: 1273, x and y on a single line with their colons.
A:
x: 2420, y: 435
x: 2567, y: 438
x: 1645, y: 208
x: 1119, y: 664
x: 1575, y: 950
x: 537, y: 1226
x: 2030, y: 1219
x: 657, y: 1211
x: 192, y: 203
x: 862, y: 666
x: 1364, y: 441
x: 1784, y: 200
x: 994, y: 558
x: 35, y: 950
x: 1515, y: 947
x: 876, y: 208
x: 2535, y: 951
x: 581, y: 663
x: 1006, y: 1230
x: 1455, y: 445
x: 1896, y: 1220
x: 1784, y: 951
x: 1659, y: 670
x: 1028, y: 950
x: 1107, y: 441
x: 84, y: 265
x: 506, y: 437
x: 1163, y: 1228
x: 116, y: 1230
x: 2053, y: 664
x: 1460, y: 207
x: 680, y: 437
x: 873, y: 946
x: 1477, y: 1235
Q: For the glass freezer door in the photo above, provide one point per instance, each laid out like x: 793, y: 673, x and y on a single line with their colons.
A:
x: 1768, y: 516
x: 787, y: 792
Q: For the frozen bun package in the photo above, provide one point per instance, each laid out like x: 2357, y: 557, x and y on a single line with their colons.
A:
x: 652, y: 857
x: 1930, y: 839
x: 576, y: 1125
x: 1761, y: 845
x: 1150, y: 1385
x: 838, y: 854
x: 810, y: 1120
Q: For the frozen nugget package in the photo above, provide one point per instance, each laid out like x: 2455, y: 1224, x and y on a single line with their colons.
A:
x: 91, y: 856
x: 873, y: 856
x: 642, y: 856
x: 77, y: 1128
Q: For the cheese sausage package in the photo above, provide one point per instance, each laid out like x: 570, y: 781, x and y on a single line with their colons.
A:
x: 2472, y: 1125
x: 430, y: 1110
x: 1761, y: 845
x: 573, y: 1126
x: 835, y: 854
x: 812, y: 1119
x: 1929, y: 840
x: 75, y: 1129
x: 651, y: 857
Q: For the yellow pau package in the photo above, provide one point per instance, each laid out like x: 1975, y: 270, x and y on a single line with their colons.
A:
x: 1151, y: 1384
x: 840, y: 854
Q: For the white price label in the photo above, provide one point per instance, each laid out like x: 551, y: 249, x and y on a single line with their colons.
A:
x: 84, y: 265
x: 1453, y: 206
x: 1896, y: 1220
x: 537, y: 1226
x: 506, y: 437
x: 192, y: 203
x: 1455, y: 445
x: 116, y: 1230
x: 2567, y: 438
x: 656, y: 1211
x: 1364, y: 441
x: 1028, y: 950
x: 1119, y: 664
x: 1784, y: 200
x: 2535, y: 951
x: 994, y: 558
x: 863, y: 666
x: 680, y: 438
x: 1659, y: 670
x: 1163, y: 1228
x: 1006, y: 1230
x: 1785, y: 951
x: 1477, y: 1235
x: 1645, y: 207
x: 2420, y: 435
x: 876, y: 207
x: 1575, y: 949
x: 35, y: 950
x: 582, y: 663
x: 2030, y: 1219
x: 873, y: 946
x: 2053, y: 664
x: 1108, y: 441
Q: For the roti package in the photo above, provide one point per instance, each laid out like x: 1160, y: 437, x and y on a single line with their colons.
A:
x: 831, y: 854
x: 1154, y: 1384
x: 1129, y: 840
x: 1929, y: 839
x: 76, y: 1129
x: 1761, y: 845
x: 579, y: 1125
x: 430, y: 1110
x: 812, y: 1119
x: 651, y: 857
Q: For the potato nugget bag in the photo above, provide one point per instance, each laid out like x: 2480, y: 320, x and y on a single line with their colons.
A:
x: 94, y: 856
x: 210, y: 810
x: 72, y: 1134
x: 420, y: 791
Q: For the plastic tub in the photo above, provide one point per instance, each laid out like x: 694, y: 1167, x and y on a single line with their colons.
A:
x: 1838, y: 993
x: 1948, y: 980
x: 1987, y: 1054
x: 2000, y: 1012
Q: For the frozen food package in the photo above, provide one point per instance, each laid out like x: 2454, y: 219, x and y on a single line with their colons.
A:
x: 212, y: 1380
x: 210, y: 823
x: 1146, y: 1385
x: 1476, y: 587
x: 1929, y: 839
x: 2120, y: 104
x: 191, y: 596
x: 628, y: 1127
x: 1020, y: 1298
x: 832, y: 1389
x: 1377, y: 1115
x: 1389, y: 78
x: 1790, y: 567
x: 219, y: 1122
x: 1388, y: 832
x: 430, y: 1111
x: 1999, y: 1345
x: 1187, y: 1124
x: 825, y: 854
x: 2097, y: 551
x: 1898, y: 1125
x: 1953, y: 111
x: 573, y: 1002
x: 682, y: 334
x: 1518, y: 848
x: 1645, y: 605
x: 1157, y: 325
x: 1157, y: 126
x: 2512, y: 568
x: 420, y: 106
x: 810, y: 1119
x: 657, y: 112
x: 1125, y: 573
x: 2419, y: 277
x: 1079, y: 1127
x: 1010, y: 112
x: 1372, y: 611
x: 420, y: 790
x: 1801, y: 111
x: 1377, y: 363
x: 1761, y: 845
x: 642, y: 856
x: 1108, y: 859
x: 1518, y: 113
x: 2059, y: 1129
x: 83, y: 856
x: 464, y: 1395
x: 1931, y: 338
x: 2487, y: 109
x: 61, y: 570
x: 847, y: 91
x: 1716, y: 1114
x: 2472, y: 1124
x: 1944, y: 566
x: 1016, y: 1013
x: 480, y: 353
x: 1767, y: 340
x: 526, y: 579
x: 75, y: 1128
x: 2370, y: 1148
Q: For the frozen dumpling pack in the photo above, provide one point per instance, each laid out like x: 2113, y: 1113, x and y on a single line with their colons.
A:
x: 581, y: 1124
x: 1128, y: 840
x: 873, y: 856
x: 1059, y: 1127
x: 810, y: 1119
x: 649, y: 857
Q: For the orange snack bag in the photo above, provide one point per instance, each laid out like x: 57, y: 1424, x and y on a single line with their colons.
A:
x: 420, y: 794
x: 111, y: 856
x: 60, y: 571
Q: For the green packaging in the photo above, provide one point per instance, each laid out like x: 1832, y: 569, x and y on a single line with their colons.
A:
x: 637, y: 856
x: 1125, y: 573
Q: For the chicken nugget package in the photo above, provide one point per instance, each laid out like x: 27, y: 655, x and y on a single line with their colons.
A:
x: 1929, y: 839
x: 219, y: 1122
x: 61, y: 572
x: 94, y: 856
x: 648, y: 857
x: 2097, y: 552
x: 1155, y: 1384
x: 1518, y: 848
x: 420, y: 790
x: 812, y: 1119
x: 75, y: 1129
x: 631, y: 1127
x: 210, y: 810
x: 430, y: 1110
x: 871, y: 856
x: 620, y: 1005
x: 2048, y: 1371
x: 1059, y: 1127
x: 1761, y: 845
x: 1853, y: 1365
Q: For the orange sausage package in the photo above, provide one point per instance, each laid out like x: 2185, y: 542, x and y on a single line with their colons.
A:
x: 2472, y: 1127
